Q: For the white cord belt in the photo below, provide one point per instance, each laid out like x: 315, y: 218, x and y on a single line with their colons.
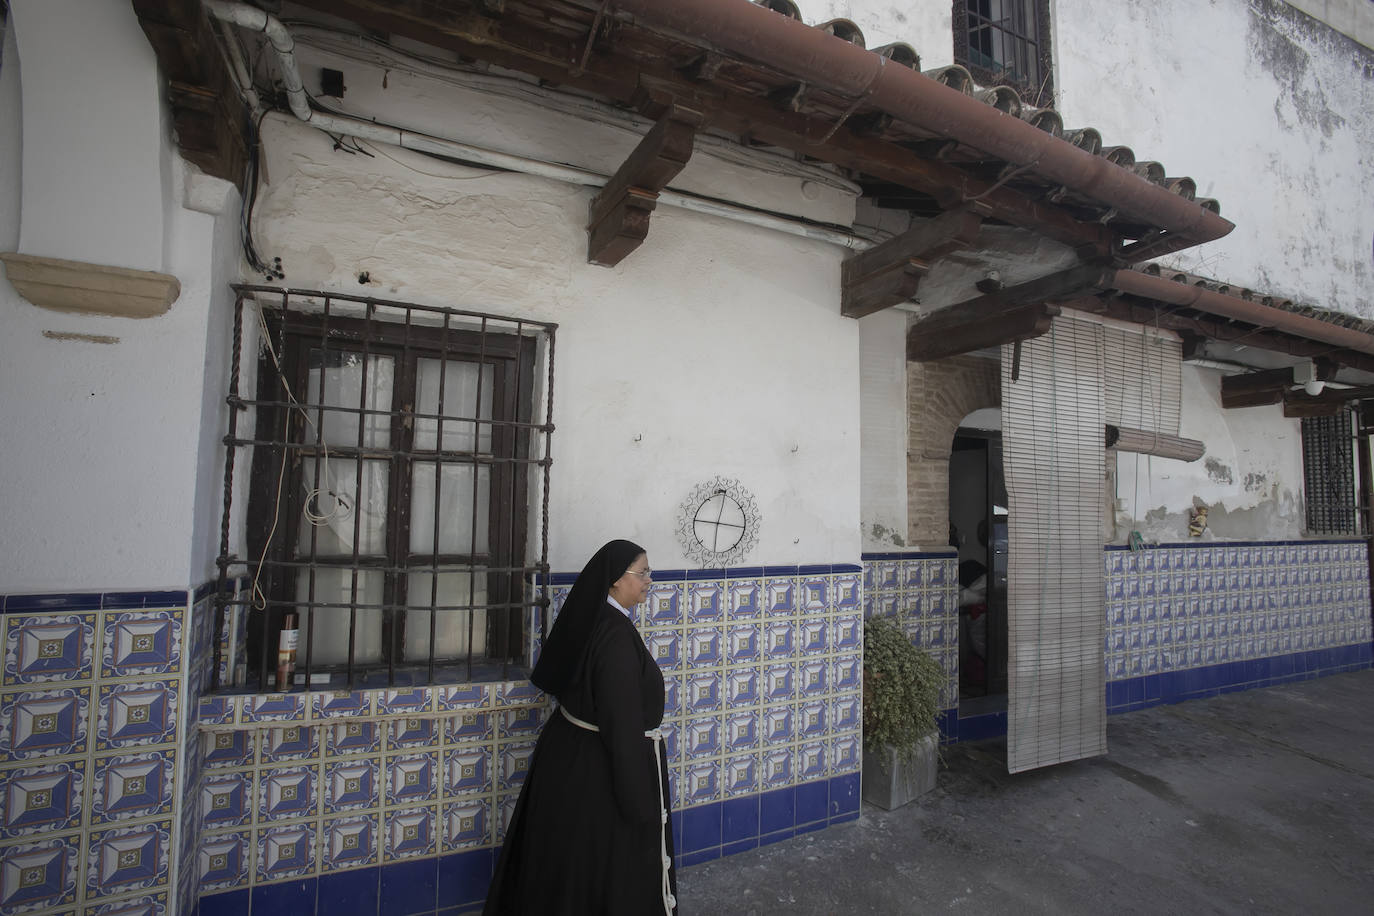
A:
x: 656, y: 736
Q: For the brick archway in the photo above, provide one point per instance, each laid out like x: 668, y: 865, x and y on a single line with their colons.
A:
x: 939, y: 395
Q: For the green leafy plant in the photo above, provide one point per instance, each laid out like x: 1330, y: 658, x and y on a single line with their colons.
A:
x: 901, y: 689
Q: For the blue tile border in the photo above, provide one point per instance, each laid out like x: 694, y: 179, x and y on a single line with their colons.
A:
x: 1171, y: 687
x: 751, y: 572
x: 912, y: 555
x: 62, y: 602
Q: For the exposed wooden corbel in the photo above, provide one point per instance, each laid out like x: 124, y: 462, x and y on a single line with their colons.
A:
x: 941, y: 335
x: 789, y: 98
x: 891, y: 272
x: 703, y: 68
x: 1009, y: 315
x: 619, y: 215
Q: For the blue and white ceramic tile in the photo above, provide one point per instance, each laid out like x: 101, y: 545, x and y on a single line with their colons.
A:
x: 410, y: 733
x: 49, y: 648
x: 42, y: 799
x: 348, y: 842
x: 776, y: 768
x: 341, y: 705
x: 703, y: 646
x: 37, y: 876
x: 141, y: 643
x: 412, y: 778
x: 128, y: 859
x: 469, y: 727
x: 44, y: 723
x: 701, y: 738
x: 704, y: 602
x: 416, y: 700
x: 518, y: 693
x: 352, y: 738
x: 665, y: 647
x: 223, y: 861
x: 740, y: 775
x: 274, y: 707
x: 513, y: 761
x: 288, y: 792
x: 224, y: 749
x: 467, y: 823
x: 701, y: 782
x: 741, y: 729
x: 744, y: 599
x: 464, y: 696
x: 845, y: 754
x: 468, y: 770
x: 703, y: 692
x: 225, y: 799
x: 290, y: 742
x: 410, y: 832
x: 812, y: 760
x: 520, y: 722
x: 132, y: 785
x: 742, y: 687
x: 136, y: 714
x: 351, y: 785
x: 286, y: 851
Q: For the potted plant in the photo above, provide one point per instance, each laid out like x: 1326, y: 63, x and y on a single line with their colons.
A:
x: 901, y: 701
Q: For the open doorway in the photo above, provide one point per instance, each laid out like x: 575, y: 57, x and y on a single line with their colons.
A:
x: 978, y: 528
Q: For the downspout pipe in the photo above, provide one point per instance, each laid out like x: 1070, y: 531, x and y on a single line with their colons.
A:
x: 257, y: 20
x: 1135, y: 283
x: 821, y: 59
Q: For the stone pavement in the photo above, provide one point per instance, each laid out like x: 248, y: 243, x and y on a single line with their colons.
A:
x: 1254, y: 802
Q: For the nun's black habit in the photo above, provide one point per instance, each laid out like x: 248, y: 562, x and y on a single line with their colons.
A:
x: 589, y: 830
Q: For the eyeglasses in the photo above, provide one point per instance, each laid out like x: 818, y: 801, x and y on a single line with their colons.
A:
x: 647, y: 573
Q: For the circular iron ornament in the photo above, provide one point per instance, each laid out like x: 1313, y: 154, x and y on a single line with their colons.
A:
x: 718, y: 523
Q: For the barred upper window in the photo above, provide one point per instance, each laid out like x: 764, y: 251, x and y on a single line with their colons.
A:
x: 1006, y: 42
x: 389, y: 506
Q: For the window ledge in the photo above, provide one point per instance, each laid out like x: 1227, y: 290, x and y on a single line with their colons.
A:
x: 238, y: 712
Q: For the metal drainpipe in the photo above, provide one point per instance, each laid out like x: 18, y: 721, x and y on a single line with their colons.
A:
x: 258, y: 20
x: 1136, y: 283
x: 816, y: 57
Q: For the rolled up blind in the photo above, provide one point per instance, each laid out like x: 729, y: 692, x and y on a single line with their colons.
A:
x: 1053, y: 458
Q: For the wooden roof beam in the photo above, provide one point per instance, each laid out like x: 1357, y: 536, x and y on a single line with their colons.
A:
x: 618, y: 221
x: 890, y: 273
x: 1008, y: 315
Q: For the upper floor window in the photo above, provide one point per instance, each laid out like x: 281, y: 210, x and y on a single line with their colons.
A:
x: 1006, y: 42
x: 394, y: 451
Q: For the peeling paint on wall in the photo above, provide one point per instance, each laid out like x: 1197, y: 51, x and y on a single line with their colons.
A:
x: 1219, y: 472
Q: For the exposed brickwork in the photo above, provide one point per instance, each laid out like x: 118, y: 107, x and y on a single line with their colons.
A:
x: 940, y: 395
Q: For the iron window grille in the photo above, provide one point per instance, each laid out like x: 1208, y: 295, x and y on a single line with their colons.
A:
x: 1328, y: 462
x: 392, y: 453
x: 1006, y: 43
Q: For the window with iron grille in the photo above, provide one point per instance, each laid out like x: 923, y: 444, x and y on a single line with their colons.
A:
x: 1328, y: 462
x: 1006, y: 43
x: 394, y: 451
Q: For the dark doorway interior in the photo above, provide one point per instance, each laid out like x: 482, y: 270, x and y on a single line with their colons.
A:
x: 978, y: 527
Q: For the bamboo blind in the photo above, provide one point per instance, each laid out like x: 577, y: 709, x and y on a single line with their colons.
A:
x: 1052, y: 421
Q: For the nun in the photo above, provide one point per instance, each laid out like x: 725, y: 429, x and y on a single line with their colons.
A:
x: 591, y: 830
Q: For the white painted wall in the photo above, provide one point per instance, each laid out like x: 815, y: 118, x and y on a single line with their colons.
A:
x: 925, y: 26
x: 714, y: 349
x: 1250, y: 477
x: 1271, y: 113
x: 101, y: 439
x: 95, y: 164
x: 883, y: 430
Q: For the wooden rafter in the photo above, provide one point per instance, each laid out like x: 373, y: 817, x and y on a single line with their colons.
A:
x: 1008, y: 315
x: 1255, y: 389
x: 655, y: 85
x: 890, y: 273
x: 619, y: 214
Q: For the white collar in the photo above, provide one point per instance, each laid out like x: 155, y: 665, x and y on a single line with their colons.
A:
x: 621, y: 608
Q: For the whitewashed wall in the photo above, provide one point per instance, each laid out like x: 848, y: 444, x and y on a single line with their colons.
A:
x: 714, y: 349
x: 1272, y: 113
x: 100, y: 449
x: 925, y: 26
x: 1250, y: 478
x: 883, y: 427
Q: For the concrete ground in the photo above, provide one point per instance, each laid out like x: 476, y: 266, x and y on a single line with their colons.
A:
x: 1254, y: 802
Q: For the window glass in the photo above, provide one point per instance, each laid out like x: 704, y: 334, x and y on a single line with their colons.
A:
x: 330, y: 625
x: 466, y: 393
x: 344, y: 379
x: 449, y: 591
x: 458, y: 514
x: 333, y: 511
